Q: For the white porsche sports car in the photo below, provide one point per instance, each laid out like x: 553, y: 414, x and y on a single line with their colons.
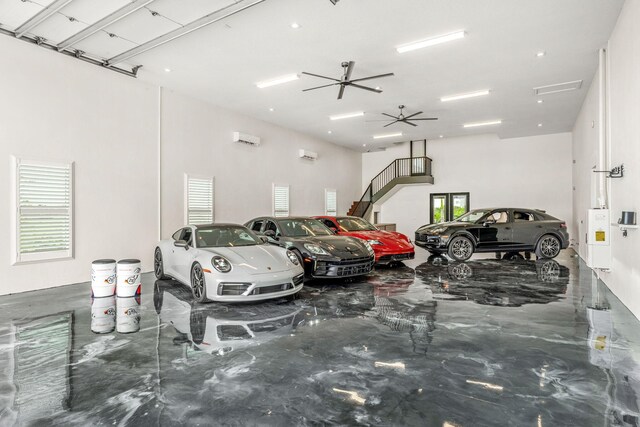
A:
x: 227, y: 262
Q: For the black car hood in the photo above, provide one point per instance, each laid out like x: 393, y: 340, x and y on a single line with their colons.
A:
x: 342, y: 246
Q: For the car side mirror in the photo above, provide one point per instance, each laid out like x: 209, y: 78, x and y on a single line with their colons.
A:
x: 264, y: 239
x: 334, y: 230
x: 181, y: 244
x: 488, y: 223
x: 271, y: 234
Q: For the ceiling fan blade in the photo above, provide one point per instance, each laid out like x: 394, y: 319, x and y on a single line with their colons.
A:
x: 322, y: 77
x: 414, y: 114
x: 366, y: 88
x: 426, y: 118
x: 409, y: 123
x: 391, y: 123
x: 379, y: 76
x: 389, y: 115
x: 319, y: 87
x: 341, y: 92
x: 350, y: 70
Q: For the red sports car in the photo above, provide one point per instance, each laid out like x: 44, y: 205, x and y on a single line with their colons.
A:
x: 389, y: 246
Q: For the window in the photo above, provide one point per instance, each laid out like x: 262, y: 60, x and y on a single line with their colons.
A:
x: 519, y: 216
x: 448, y: 206
x: 330, y: 202
x: 271, y: 226
x: 257, y: 226
x: 499, y: 217
x: 44, y: 211
x: 198, y: 203
x: 280, y: 200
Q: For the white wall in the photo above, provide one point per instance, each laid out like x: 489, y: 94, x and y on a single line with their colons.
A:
x: 197, y: 139
x: 624, y: 126
x: 60, y: 109
x: 532, y: 172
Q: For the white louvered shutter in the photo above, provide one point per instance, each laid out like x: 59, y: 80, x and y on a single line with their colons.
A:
x: 44, y: 208
x: 280, y: 200
x: 330, y: 202
x: 199, y: 200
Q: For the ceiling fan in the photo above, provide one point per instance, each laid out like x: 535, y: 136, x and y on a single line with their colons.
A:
x: 401, y: 118
x: 346, y: 80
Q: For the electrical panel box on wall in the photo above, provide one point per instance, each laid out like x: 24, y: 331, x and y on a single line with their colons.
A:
x: 598, y: 239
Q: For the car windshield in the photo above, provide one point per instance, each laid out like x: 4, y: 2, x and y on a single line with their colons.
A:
x: 355, y: 224
x: 302, y: 227
x: 472, y: 216
x: 225, y: 236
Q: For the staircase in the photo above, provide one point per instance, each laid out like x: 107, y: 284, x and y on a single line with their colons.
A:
x: 411, y: 170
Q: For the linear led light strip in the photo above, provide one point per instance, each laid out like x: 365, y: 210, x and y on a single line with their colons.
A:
x: 387, y: 135
x: 431, y: 41
x: 278, y: 80
x: 478, y: 124
x: 464, y: 95
x: 347, y: 115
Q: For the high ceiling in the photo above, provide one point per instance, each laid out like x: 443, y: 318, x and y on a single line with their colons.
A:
x: 222, y: 62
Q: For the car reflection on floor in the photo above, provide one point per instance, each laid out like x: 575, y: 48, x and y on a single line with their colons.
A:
x: 222, y: 328
x: 511, y: 282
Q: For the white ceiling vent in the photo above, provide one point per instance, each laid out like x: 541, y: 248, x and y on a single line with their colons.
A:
x: 246, y: 138
x: 306, y: 154
x: 560, y: 87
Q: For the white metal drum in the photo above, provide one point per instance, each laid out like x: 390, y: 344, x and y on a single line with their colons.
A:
x: 103, y: 315
x: 103, y: 277
x: 128, y: 278
x: 128, y: 315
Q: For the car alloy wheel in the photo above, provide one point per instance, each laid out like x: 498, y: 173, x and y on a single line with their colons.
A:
x: 158, y: 267
x: 198, y: 283
x: 548, y: 247
x: 460, y: 248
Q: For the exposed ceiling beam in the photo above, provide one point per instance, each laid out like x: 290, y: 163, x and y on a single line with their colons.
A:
x: 216, y: 16
x: 103, y: 23
x: 41, y: 16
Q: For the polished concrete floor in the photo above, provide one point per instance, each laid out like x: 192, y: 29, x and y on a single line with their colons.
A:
x: 431, y: 343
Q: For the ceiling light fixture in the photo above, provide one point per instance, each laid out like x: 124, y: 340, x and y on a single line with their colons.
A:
x: 347, y: 115
x: 277, y: 81
x: 167, y: 70
x: 387, y: 135
x: 489, y: 123
x: 431, y: 41
x: 441, y: 136
x: 271, y: 109
x: 329, y: 132
x: 465, y: 95
x: 364, y: 145
x: 540, y: 101
x: 541, y: 54
x: 539, y: 125
x: 295, y: 25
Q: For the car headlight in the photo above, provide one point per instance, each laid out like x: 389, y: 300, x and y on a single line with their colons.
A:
x: 369, y: 248
x: 221, y: 264
x: 375, y: 242
x: 293, y: 258
x: 315, y: 249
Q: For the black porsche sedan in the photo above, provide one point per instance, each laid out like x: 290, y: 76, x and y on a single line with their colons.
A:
x: 496, y: 230
x: 321, y: 252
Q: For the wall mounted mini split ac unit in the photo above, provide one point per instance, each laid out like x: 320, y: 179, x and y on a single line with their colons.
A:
x: 309, y: 155
x: 246, y: 138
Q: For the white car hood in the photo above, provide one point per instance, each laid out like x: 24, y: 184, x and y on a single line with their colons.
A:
x: 259, y: 259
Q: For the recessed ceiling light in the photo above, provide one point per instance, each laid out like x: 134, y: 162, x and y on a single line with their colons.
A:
x: 541, y: 54
x: 387, y: 135
x: 364, y: 145
x: 329, y: 132
x: 489, y: 123
x: 167, y: 70
x: 378, y: 88
x: 295, y: 25
x: 277, y: 80
x: 539, y: 125
x: 271, y: 109
x: 347, y: 115
x: 431, y: 41
x: 441, y: 136
x: 465, y: 95
x: 540, y: 101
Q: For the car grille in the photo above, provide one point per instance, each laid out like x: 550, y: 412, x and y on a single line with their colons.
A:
x: 271, y: 289
x: 397, y: 257
x: 350, y: 267
x: 426, y: 238
x: 233, y: 288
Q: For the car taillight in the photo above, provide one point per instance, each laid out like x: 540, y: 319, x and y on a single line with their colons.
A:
x: 563, y: 225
